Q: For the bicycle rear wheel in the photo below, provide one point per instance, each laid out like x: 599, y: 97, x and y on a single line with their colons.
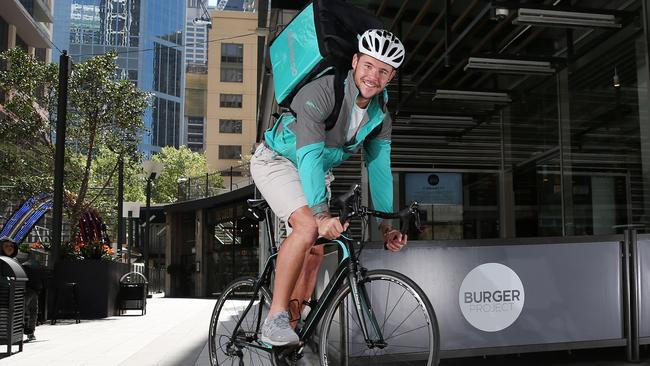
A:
x: 227, y: 311
x: 404, y: 316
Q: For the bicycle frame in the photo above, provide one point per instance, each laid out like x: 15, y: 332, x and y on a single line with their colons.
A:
x: 349, y: 269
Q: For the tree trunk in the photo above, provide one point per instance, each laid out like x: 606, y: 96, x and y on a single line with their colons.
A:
x: 83, y: 189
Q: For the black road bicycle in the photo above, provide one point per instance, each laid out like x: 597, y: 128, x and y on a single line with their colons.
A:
x: 366, y: 317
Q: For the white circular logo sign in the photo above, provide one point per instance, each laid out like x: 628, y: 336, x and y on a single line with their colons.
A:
x: 491, y: 297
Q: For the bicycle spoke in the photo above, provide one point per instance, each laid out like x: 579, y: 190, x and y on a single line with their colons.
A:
x: 405, y: 319
x: 386, y: 308
x: 411, y: 340
x: 394, y: 307
x: 223, y: 325
x: 408, y: 331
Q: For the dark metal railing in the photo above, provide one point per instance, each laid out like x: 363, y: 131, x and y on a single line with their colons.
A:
x: 213, y: 184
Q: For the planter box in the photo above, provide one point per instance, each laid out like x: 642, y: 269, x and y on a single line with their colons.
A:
x: 98, y: 285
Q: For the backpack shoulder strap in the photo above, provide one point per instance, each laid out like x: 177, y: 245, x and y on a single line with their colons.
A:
x: 339, y: 93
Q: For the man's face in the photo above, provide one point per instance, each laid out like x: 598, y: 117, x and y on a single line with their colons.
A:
x: 371, y: 75
x: 7, y: 248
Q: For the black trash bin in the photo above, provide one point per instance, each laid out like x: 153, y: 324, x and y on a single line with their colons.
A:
x: 133, y: 292
x: 13, y: 281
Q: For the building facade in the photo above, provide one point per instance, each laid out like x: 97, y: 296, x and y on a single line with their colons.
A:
x: 196, y: 70
x: 148, y: 37
x: 232, y: 88
x: 537, y: 128
x: 195, y: 108
x: 27, y: 24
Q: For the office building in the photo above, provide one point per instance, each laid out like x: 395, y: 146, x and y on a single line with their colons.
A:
x: 27, y: 24
x: 148, y: 37
x: 232, y: 88
x: 196, y: 70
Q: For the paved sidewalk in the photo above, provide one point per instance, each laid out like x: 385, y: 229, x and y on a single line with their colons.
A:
x: 172, y: 333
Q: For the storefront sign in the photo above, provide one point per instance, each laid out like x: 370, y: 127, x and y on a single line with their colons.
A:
x: 434, y: 188
x: 491, y: 297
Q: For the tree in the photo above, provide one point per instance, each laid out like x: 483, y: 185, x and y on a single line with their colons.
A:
x: 105, y: 112
x: 180, y: 163
x: 104, y: 115
x: 26, y: 150
x: 103, y: 182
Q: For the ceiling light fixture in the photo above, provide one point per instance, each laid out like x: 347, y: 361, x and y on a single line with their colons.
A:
x: 556, y: 18
x: 472, y: 96
x: 508, y: 66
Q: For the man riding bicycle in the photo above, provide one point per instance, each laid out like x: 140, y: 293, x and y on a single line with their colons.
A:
x: 292, y: 170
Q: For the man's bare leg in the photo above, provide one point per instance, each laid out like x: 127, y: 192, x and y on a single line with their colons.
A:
x: 306, y: 281
x: 291, y: 257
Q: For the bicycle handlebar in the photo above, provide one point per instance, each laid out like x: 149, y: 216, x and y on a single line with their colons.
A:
x: 350, y: 204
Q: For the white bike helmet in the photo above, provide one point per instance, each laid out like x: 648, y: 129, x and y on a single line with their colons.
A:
x: 382, y: 45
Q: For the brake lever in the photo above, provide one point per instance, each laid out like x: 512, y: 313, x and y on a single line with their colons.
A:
x: 408, y: 214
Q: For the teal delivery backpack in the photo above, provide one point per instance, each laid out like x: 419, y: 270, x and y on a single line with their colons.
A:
x: 320, y: 40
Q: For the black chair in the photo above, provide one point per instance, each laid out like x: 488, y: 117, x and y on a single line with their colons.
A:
x: 133, y: 292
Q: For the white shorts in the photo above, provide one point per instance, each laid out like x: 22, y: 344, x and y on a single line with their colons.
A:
x: 278, y: 180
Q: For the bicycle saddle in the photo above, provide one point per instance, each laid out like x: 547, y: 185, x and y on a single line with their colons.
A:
x: 257, y: 203
x: 256, y: 208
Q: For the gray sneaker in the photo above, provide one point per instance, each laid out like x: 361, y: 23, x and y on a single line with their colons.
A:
x: 277, y: 331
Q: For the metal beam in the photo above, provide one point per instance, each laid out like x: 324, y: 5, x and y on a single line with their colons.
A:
x: 453, y: 28
x: 419, y: 17
x: 460, y: 38
x: 399, y: 15
x: 381, y: 8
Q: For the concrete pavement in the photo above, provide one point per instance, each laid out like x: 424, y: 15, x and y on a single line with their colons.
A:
x: 174, y: 333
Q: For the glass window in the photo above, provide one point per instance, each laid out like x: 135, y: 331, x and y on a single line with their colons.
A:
x: 193, y: 129
x: 230, y: 125
x: 232, y: 53
x: 194, y: 138
x: 20, y: 43
x: 230, y: 152
x: 577, y: 146
x: 232, y: 74
x: 167, y: 69
x: 232, y: 246
x: 232, y: 62
x: 453, y: 205
x: 230, y: 100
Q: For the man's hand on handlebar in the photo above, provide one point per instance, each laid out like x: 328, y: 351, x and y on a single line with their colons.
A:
x: 330, y: 227
x: 394, y: 240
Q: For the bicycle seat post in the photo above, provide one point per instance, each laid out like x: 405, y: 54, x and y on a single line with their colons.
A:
x: 269, y: 231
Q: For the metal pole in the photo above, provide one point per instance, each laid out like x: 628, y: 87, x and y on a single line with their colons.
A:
x: 59, y: 157
x: 130, y: 241
x: 120, y: 204
x: 146, y: 230
x: 447, y: 31
x: 231, y: 178
x: 635, y: 290
x: 207, y: 176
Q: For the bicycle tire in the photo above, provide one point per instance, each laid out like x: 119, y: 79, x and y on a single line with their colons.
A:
x: 227, y: 311
x: 393, y: 312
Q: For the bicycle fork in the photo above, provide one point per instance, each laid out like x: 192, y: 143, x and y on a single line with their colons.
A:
x: 364, y: 310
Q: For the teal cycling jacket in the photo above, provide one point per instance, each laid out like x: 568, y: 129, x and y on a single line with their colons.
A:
x: 301, y: 137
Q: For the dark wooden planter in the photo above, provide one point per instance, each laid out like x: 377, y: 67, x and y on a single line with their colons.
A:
x: 98, y: 286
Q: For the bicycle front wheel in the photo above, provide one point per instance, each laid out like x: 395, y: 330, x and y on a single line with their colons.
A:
x: 404, y: 317
x: 229, y: 309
